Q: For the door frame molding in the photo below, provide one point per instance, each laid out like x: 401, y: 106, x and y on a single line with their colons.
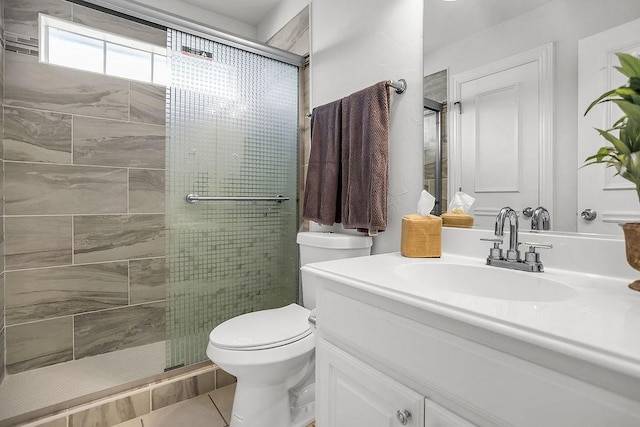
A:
x: 544, y: 57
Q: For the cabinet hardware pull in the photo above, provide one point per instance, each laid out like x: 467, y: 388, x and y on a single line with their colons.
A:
x: 403, y: 416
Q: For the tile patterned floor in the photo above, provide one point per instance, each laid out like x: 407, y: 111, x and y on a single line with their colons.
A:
x: 208, y: 410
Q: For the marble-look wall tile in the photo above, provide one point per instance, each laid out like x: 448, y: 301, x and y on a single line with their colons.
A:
x: 146, y: 190
x: 60, y: 291
x: 46, y: 189
x: 2, y: 5
x: 148, y: 280
x: 1, y: 308
x: 112, y: 413
x: 294, y: 36
x: 21, y: 16
x: 37, y: 136
x: 180, y: 390
x: 115, y: 143
x: 2, y: 361
x: 37, y: 241
x: 2, y: 55
x: 116, y: 25
x: 148, y: 103
x: 2, y: 243
x: 39, y: 86
x: 115, y: 237
x: 38, y: 344
x: 58, y: 422
x: 111, y: 330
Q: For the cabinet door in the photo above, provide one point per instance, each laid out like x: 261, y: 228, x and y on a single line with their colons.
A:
x: 437, y: 416
x: 352, y: 394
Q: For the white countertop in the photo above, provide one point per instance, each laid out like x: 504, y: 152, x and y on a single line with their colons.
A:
x: 600, y: 325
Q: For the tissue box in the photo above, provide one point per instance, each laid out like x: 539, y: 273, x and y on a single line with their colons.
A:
x: 421, y: 236
x: 458, y: 220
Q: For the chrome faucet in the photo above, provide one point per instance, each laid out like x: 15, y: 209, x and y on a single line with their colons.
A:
x: 513, y: 254
x: 540, y: 219
x: 513, y: 261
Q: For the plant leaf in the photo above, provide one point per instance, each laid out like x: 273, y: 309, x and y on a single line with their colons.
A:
x: 617, y: 144
x: 631, y: 110
x: 630, y: 65
x: 600, y: 99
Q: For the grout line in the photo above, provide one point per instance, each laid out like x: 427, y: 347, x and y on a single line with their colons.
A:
x: 73, y: 240
x: 129, y: 282
x: 71, y: 160
x: 100, y: 310
x: 86, y: 214
x: 82, y: 263
x: 217, y: 409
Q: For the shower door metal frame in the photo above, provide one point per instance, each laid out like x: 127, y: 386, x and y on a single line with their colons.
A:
x: 437, y: 107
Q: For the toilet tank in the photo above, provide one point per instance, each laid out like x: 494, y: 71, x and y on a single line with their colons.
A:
x: 317, y: 246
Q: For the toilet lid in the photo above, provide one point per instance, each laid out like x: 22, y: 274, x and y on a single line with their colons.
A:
x: 262, y: 329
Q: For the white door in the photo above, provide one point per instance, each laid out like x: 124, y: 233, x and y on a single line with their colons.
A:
x: 438, y: 416
x: 501, y: 116
x: 612, y: 198
x: 352, y: 394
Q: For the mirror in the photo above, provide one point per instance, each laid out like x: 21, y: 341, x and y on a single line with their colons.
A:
x: 462, y: 36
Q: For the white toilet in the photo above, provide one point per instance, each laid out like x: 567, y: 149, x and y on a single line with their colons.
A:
x: 271, y: 352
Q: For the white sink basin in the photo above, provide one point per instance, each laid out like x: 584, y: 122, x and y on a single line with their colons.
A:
x: 485, y: 281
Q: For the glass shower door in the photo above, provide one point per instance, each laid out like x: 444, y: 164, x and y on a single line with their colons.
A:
x: 232, y: 120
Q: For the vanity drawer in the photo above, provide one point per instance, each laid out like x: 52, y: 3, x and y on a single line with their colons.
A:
x: 493, y: 385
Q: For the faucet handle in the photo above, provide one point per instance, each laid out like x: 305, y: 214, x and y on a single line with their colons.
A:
x: 532, y: 257
x: 539, y: 245
x: 495, y: 240
x: 495, y: 252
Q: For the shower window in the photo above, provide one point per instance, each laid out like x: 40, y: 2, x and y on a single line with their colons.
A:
x: 77, y: 46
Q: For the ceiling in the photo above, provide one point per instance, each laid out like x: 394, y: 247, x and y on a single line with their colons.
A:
x: 444, y: 21
x: 247, y: 11
x: 448, y: 21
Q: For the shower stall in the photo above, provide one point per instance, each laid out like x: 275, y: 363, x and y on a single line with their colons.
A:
x: 109, y: 274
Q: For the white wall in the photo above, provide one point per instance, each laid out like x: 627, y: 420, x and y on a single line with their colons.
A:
x: 278, y: 17
x: 563, y: 22
x: 357, y: 43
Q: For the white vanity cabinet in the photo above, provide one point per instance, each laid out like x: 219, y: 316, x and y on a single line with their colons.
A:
x: 354, y: 394
x: 380, y: 355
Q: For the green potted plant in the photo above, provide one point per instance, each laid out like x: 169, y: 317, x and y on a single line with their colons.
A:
x: 623, y: 150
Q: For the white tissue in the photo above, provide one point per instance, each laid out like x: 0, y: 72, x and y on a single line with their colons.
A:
x: 426, y: 203
x: 461, y: 203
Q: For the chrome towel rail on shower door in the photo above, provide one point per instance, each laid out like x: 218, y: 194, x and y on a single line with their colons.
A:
x: 193, y: 198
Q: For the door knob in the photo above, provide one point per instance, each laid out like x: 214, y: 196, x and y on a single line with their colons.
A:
x: 528, y: 211
x: 589, y: 214
x: 403, y: 416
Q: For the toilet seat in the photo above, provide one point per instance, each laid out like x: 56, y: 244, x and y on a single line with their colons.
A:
x: 262, y: 329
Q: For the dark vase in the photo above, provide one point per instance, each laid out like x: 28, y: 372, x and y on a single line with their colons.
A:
x: 632, y: 249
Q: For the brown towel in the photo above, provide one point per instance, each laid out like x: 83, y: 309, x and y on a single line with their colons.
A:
x: 323, y: 185
x: 365, y: 155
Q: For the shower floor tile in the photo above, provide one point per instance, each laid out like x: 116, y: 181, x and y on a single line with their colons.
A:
x: 40, y: 388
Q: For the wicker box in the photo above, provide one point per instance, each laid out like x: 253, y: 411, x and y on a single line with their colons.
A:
x: 421, y: 236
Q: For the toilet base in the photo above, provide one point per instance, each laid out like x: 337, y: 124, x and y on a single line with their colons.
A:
x: 268, y: 405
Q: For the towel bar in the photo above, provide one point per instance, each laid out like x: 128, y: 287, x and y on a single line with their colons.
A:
x: 400, y: 86
x: 193, y: 198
